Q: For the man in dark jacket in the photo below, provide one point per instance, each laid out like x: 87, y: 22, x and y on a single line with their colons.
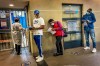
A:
x: 89, y: 20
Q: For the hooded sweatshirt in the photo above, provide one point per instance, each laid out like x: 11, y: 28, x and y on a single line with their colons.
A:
x: 91, y: 18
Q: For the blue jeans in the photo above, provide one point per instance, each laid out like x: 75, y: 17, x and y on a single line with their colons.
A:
x: 38, y: 41
x: 90, y: 32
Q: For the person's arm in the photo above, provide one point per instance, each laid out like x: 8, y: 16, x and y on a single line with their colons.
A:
x: 93, y: 18
x: 20, y: 27
x: 41, y: 27
x: 83, y: 19
x: 12, y: 27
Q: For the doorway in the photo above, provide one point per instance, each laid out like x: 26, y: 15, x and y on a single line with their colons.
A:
x: 71, y: 19
x: 21, y: 14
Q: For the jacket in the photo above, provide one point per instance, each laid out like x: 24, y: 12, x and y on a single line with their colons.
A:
x: 91, y: 18
x: 58, y: 28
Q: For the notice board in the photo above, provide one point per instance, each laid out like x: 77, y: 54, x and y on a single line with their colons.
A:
x: 5, y: 21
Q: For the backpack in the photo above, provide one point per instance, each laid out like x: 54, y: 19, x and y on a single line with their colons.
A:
x: 64, y: 30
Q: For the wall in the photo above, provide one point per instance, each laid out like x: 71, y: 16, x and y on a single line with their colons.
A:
x: 52, y: 9
x: 94, y: 4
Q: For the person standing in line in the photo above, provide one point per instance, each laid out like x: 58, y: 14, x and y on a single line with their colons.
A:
x: 17, y: 35
x: 38, y: 26
x: 89, y: 20
x: 59, y: 33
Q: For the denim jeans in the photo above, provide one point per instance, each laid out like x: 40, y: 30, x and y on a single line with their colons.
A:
x: 90, y: 32
x: 38, y: 41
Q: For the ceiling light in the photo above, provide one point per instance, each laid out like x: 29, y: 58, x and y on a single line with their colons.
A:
x: 11, y: 5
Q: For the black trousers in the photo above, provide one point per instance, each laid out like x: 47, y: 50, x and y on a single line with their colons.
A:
x: 18, y: 48
x: 59, y: 44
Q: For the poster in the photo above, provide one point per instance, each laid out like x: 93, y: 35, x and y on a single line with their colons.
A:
x: 2, y: 14
x: 72, y: 25
x: 3, y: 23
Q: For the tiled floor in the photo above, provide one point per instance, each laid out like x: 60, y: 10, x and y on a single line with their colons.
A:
x: 9, y: 58
x: 74, y: 57
x: 71, y: 57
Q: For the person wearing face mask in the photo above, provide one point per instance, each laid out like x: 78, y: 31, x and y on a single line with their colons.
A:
x: 17, y: 35
x: 89, y: 20
x: 57, y: 27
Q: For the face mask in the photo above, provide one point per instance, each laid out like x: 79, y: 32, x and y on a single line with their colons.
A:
x: 87, y: 13
x: 52, y: 23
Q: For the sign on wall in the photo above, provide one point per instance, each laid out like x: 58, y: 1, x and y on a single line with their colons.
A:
x: 4, y: 21
x: 72, y: 25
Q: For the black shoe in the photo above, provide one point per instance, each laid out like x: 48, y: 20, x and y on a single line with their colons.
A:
x: 60, y: 53
x: 56, y: 54
x: 18, y: 53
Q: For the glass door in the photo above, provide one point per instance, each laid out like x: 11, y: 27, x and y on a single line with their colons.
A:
x: 71, y: 19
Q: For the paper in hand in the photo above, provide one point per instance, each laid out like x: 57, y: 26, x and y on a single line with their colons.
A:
x: 50, y: 30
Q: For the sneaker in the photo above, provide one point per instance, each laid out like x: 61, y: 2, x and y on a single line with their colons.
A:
x: 86, y: 48
x: 39, y: 59
x: 94, y: 50
x: 56, y: 54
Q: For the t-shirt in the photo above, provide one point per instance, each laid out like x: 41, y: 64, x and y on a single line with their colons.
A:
x: 37, y: 22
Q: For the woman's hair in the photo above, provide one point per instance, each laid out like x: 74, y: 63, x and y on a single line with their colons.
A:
x: 50, y: 20
x: 16, y: 20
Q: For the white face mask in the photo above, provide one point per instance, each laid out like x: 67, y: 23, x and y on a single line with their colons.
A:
x: 52, y: 23
x: 87, y: 13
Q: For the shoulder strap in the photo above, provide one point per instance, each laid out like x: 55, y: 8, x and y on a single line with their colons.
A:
x: 59, y: 25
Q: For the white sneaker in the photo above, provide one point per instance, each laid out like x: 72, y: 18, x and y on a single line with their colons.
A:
x: 86, y: 48
x: 39, y: 59
x: 94, y: 50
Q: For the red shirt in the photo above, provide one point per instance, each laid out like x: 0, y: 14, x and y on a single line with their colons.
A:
x: 58, y: 28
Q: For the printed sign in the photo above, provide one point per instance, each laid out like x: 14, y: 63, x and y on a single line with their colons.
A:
x: 72, y: 25
x: 3, y: 23
x: 2, y: 14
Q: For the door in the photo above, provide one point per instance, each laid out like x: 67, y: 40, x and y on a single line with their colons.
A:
x: 71, y: 19
x: 21, y: 14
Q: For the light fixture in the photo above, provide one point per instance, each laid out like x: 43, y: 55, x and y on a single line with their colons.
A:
x: 11, y: 5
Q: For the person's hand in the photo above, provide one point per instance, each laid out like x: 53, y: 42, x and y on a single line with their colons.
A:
x: 20, y: 28
x: 14, y: 32
x: 88, y: 21
x: 53, y: 29
x: 31, y: 28
x: 83, y: 21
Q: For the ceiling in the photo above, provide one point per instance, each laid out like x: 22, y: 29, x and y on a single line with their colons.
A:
x: 18, y: 4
